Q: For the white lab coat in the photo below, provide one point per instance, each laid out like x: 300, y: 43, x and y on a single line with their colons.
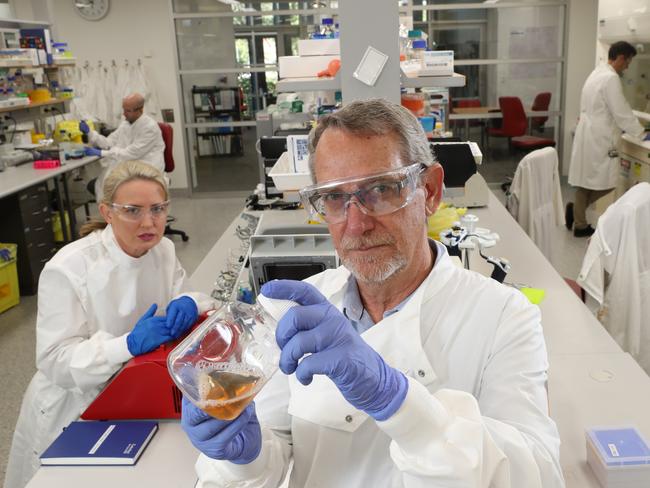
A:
x: 535, y: 199
x: 616, y: 272
x: 604, y: 113
x: 141, y: 141
x: 475, y: 414
x: 90, y: 296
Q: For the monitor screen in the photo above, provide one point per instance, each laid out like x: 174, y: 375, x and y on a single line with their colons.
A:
x: 291, y: 271
x: 457, y: 161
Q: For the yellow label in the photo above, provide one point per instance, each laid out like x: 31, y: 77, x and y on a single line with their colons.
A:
x: 637, y: 169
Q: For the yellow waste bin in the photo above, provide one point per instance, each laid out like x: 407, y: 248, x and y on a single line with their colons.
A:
x: 9, y: 293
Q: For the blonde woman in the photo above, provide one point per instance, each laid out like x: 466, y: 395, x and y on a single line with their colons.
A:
x: 97, y: 304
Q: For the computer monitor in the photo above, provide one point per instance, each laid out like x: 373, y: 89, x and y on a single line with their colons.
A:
x: 458, y: 162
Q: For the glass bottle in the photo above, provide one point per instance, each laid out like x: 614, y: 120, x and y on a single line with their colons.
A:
x: 229, y: 357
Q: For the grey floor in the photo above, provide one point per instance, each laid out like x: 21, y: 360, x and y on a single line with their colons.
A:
x: 205, y: 219
x: 237, y: 172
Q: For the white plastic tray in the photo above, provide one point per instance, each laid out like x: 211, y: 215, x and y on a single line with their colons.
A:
x: 285, y: 179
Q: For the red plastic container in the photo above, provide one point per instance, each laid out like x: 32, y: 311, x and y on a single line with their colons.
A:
x: 47, y: 163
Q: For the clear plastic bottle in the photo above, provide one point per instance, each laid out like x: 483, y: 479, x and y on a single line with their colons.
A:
x: 418, y: 49
x: 227, y: 359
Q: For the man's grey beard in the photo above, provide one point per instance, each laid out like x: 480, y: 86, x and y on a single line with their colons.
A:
x: 375, y: 270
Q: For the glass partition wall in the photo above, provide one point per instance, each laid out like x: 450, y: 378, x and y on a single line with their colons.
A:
x: 513, y: 49
x: 227, y: 60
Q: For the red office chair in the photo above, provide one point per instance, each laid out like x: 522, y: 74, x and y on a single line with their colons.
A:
x: 541, y: 103
x: 168, y: 138
x: 514, y: 124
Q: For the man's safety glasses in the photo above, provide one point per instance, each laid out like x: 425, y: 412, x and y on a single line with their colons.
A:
x: 135, y: 213
x: 375, y: 195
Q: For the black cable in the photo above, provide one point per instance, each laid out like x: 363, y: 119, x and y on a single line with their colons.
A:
x: 52, y: 109
x: 13, y: 132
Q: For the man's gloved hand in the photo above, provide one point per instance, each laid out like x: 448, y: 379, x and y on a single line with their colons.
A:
x: 149, y: 333
x: 337, y: 350
x: 83, y: 127
x: 92, y: 151
x: 238, y: 441
x: 647, y: 136
x: 181, y: 314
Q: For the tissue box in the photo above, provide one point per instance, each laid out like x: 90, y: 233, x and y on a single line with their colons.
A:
x: 319, y: 47
x: 619, y: 456
x: 302, y: 66
x: 437, y: 63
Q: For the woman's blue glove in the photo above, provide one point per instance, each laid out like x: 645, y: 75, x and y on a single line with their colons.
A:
x: 149, y: 333
x: 181, y: 314
x: 238, y: 441
x: 92, y: 151
x: 337, y: 350
x: 83, y: 127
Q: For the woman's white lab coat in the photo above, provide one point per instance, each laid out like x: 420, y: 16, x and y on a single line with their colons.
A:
x: 604, y: 114
x: 475, y: 414
x: 90, y: 296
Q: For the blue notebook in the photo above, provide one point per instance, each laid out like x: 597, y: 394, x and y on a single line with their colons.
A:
x: 101, y: 443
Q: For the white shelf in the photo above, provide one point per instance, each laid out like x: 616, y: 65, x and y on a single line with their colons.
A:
x: 433, y: 81
x: 308, y: 84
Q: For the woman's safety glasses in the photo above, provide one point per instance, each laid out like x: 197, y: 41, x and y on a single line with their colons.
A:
x: 135, y: 213
x: 378, y: 194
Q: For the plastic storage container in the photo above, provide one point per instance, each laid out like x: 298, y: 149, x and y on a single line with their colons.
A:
x: 226, y: 361
x: 619, y: 456
x: 9, y: 292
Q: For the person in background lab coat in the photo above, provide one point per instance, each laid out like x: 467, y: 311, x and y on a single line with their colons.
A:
x: 138, y: 137
x: 409, y: 370
x: 97, y: 301
x: 604, y: 114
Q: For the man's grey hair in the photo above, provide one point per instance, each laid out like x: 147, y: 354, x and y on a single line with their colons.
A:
x: 377, y: 117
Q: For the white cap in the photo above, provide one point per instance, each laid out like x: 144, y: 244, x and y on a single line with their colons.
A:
x: 275, y: 307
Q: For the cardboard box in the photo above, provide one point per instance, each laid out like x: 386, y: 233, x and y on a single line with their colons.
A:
x: 302, y: 66
x: 298, y: 151
x: 319, y: 47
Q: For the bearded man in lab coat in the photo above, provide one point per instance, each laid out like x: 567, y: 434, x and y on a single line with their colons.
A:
x: 604, y: 115
x: 399, y: 368
x: 138, y: 137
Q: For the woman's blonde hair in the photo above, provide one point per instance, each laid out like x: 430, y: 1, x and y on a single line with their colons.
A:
x: 123, y: 173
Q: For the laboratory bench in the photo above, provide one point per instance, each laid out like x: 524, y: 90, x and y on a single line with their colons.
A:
x: 27, y: 217
x: 591, y: 381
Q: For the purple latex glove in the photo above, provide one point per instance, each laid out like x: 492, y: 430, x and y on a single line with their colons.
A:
x: 238, y: 441
x: 83, y: 127
x: 92, y: 151
x: 337, y: 350
x: 181, y: 314
x: 149, y: 333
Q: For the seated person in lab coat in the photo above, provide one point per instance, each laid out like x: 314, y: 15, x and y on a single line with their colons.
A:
x: 400, y: 368
x: 138, y: 137
x: 114, y: 294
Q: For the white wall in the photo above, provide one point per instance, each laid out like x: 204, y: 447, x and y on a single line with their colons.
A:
x: 615, y: 8
x: 581, y: 44
x: 132, y: 29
